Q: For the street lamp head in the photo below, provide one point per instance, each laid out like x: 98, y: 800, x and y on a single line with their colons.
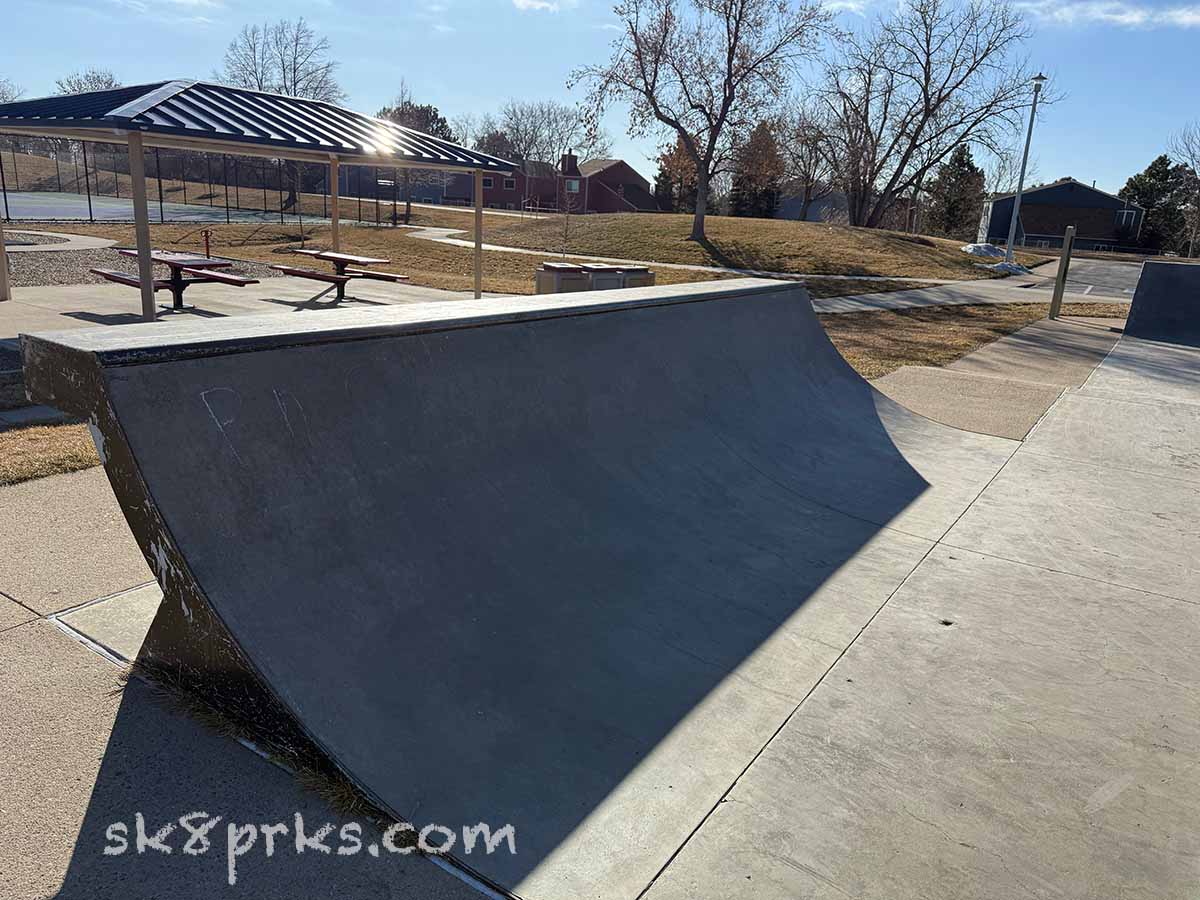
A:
x: 1038, y: 80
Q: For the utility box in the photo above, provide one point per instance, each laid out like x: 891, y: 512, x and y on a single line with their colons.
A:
x: 605, y: 278
x: 638, y: 276
x: 559, y: 278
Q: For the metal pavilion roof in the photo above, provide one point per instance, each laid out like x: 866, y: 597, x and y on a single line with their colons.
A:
x: 198, y: 115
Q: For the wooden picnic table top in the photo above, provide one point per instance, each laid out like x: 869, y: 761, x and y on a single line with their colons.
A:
x: 349, y: 258
x: 181, y: 260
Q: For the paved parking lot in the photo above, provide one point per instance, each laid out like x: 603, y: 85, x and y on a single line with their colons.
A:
x: 1098, y: 276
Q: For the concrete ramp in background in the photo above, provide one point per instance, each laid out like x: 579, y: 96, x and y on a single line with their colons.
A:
x: 567, y: 563
x: 1166, y: 304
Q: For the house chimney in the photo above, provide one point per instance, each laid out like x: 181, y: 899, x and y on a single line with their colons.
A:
x: 569, y: 164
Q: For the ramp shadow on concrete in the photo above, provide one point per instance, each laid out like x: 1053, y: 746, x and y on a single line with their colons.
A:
x: 561, y: 563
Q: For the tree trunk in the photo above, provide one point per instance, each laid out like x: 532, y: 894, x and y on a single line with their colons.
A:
x: 407, y: 196
x: 805, y: 203
x: 701, y: 204
x: 292, y: 174
x: 879, y: 209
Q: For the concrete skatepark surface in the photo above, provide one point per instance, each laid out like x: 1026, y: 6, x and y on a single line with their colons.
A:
x: 973, y: 741
x: 645, y: 604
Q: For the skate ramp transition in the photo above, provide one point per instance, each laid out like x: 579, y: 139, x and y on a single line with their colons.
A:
x: 565, y: 562
x: 1166, y: 303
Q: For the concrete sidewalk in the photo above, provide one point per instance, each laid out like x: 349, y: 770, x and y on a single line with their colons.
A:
x: 61, y: 307
x: 82, y: 750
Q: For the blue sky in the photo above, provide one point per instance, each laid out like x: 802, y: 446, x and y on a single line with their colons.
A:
x: 1128, y: 69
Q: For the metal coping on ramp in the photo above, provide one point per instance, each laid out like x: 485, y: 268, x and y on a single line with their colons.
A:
x: 560, y: 562
x: 1166, y: 303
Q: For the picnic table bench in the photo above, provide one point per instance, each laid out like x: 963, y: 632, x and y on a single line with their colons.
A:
x: 343, y: 271
x: 331, y: 277
x: 201, y: 269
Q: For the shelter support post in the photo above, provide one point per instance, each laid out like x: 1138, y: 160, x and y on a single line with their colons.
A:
x: 333, y: 204
x: 1060, y: 280
x: 478, y: 233
x: 141, y: 223
x: 5, y: 289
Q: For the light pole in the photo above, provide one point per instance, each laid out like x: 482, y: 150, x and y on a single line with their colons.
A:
x: 1038, y: 79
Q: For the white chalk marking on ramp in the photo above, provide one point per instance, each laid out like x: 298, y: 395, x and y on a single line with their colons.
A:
x: 1106, y: 793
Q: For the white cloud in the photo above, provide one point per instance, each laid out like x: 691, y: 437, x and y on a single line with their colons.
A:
x: 1112, y: 12
x: 857, y: 7
x: 542, y: 5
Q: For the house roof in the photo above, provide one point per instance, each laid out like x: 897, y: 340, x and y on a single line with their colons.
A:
x: 1059, y: 183
x: 538, y: 169
x: 200, y: 115
x: 592, y: 166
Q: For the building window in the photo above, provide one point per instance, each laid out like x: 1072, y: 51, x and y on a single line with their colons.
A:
x: 487, y: 182
x: 427, y: 200
x: 572, y: 185
x: 508, y: 206
x: 510, y: 184
x: 1126, y: 218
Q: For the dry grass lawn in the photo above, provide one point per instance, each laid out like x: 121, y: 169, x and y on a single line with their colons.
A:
x: 876, y: 343
x: 426, y: 263
x: 768, y: 244
x: 36, y: 451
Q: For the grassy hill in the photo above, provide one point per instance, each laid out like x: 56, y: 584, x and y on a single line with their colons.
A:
x: 770, y: 244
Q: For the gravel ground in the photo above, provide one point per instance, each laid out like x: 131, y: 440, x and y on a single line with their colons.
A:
x: 71, y: 267
x: 25, y: 237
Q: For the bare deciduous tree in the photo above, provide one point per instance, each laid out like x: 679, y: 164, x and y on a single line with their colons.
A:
x: 1185, y: 147
x: 804, y: 145
x: 465, y: 127
x: 1003, y: 168
x: 706, y: 70
x: 543, y: 130
x: 9, y: 91
x: 89, y: 79
x: 900, y: 96
x: 285, y: 58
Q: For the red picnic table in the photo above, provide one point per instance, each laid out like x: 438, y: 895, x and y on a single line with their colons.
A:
x: 342, y: 271
x: 200, y: 268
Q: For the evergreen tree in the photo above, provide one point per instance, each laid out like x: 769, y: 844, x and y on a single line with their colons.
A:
x: 675, y: 182
x: 956, y: 197
x: 757, y: 172
x: 1163, y: 191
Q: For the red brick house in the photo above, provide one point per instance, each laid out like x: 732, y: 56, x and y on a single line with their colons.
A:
x: 598, y: 185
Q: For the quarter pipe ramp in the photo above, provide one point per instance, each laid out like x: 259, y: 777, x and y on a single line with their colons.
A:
x: 1166, y: 303
x: 565, y: 563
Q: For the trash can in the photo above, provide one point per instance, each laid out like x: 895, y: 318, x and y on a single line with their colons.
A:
x: 604, y: 277
x: 638, y: 276
x: 558, y: 278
